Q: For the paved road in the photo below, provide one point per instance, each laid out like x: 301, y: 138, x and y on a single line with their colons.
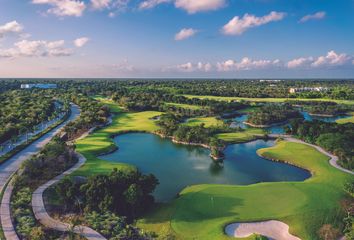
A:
x: 12, y: 165
x: 43, y: 217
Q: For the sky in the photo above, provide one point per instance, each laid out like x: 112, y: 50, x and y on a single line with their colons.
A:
x: 177, y: 38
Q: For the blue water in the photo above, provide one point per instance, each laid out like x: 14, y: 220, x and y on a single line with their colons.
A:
x: 279, y: 129
x: 177, y: 166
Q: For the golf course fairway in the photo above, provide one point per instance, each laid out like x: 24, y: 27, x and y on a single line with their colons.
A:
x: 202, y: 211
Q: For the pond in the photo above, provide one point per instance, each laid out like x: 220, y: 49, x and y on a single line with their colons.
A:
x: 177, y: 166
x: 279, y: 129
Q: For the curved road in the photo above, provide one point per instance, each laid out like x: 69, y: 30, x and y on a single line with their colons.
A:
x: 13, y: 164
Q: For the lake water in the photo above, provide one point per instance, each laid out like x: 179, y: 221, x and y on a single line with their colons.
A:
x: 177, y: 166
x: 279, y: 129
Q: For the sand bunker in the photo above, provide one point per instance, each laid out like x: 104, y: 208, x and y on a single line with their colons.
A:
x: 272, y: 229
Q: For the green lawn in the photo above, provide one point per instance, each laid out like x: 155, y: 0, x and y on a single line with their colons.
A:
x: 181, y: 105
x: 202, y: 211
x: 242, y: 136
x: 208, y: 121
x: 346, y: 120
x: 100, y: 141
x: 114, y: 107
x: 351, y: 102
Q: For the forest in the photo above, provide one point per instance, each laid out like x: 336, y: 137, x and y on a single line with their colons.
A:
x: 273, y: 114
x: 22, y: 111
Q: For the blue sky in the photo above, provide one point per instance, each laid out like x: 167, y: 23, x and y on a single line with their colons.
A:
x: 177, y: 38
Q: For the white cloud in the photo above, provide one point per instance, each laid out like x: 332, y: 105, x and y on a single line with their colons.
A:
x: 40, y: 48
x: 246, y: 64
x: 237, y: 25
x: 80, y: 42
x: 100, y: 4
x: 331, y: 59
x: 194, y: 6
x: 64, y: 7
x: 315, y: 16
x: 206, y: 67
x: 185, y: 33
x: 147, y: 4
x: 10, y: 27
x: 192, y: 67
x: 186, y: 67
x: 299, y: 62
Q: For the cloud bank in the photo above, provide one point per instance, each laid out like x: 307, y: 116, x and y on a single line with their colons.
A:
x: 237, y: 25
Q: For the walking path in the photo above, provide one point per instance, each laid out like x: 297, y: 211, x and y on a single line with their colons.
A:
x: 43, y: 217
x: 10, y: 166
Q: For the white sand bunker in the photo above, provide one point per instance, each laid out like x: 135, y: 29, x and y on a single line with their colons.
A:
x: 272, y: 229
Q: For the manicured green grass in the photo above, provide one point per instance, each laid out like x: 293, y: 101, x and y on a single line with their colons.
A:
x: 187, y: 106
x: 351, y: 102
x: 207, y: 121
x: 202, y: 211
x: 248, y: 134
x: 100, y: 141
x: 346, y: 120
x: 114, y: 107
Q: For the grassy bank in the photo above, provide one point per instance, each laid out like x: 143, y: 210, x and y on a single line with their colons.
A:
x: 101, y: 142
x: 247, y: 135
x: 276, y: 100
x: 202, y: 211
x: 207, y: 121
x: 346, y: 120
x: 186, y: 106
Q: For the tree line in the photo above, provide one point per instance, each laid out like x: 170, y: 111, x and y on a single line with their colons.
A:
x: 335, y: 138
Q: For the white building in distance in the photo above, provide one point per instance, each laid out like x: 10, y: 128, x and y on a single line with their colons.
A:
x: 39, y: 85
x: 308, y: 89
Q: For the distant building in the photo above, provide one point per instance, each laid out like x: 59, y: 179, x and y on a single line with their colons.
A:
x: 270, y: 80
x: 308, y: 89
x: 39, y: 85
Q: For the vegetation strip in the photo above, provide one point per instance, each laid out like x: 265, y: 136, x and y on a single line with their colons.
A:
x: 273, y: 100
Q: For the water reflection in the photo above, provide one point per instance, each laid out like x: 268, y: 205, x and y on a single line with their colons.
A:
x: 177, y: 166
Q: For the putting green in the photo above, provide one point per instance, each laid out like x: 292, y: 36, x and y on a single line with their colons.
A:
x: 202, y: 211
x: 207, y: 121
x: 181, y: 105
x: 351, y: 102
x: 242, y: 136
